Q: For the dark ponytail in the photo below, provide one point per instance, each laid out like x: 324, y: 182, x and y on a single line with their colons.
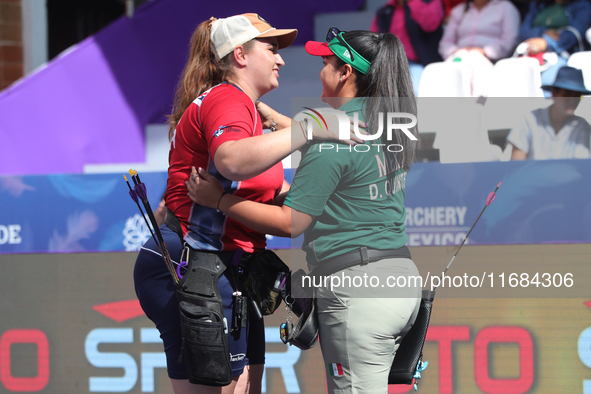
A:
x: 388, y: 87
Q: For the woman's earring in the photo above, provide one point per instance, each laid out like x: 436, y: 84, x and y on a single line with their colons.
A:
x: 341, y: 80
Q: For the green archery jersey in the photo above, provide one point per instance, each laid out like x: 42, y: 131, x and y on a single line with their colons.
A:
x: 355, y: 195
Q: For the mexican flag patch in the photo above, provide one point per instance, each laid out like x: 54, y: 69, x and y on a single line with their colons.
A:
x: 335, y: 369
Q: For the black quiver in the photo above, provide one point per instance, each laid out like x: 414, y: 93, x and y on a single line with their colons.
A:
x: 410, y: 351
x: 205, y: 347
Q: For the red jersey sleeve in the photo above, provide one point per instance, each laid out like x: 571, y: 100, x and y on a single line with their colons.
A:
x: 227, y: 116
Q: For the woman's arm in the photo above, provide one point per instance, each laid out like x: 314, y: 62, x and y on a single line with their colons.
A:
x: 283, y: 221
x: 248, y: 157
x: 270, y: 116
x: 282, y: 194
x: 518, y: 154
x: 245, y: 158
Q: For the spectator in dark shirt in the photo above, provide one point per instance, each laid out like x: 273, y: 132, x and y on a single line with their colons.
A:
x: 555, y: 26
x: 417, y: 23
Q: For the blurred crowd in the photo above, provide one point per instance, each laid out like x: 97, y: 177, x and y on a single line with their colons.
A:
x: 474, y: 35
x: 478, y: 33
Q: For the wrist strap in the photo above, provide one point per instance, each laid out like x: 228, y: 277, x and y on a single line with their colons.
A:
x: 275, y: 123
x: 220, y: 199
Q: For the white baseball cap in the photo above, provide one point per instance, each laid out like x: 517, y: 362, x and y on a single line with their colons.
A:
x: 228, y: 33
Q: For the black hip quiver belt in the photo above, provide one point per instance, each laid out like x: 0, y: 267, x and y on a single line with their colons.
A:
x: 205, y: 347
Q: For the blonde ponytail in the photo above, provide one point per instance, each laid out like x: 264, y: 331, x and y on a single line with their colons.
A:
x: 200, y: 73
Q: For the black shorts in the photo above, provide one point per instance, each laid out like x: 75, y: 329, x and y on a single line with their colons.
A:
x: 157, y: 294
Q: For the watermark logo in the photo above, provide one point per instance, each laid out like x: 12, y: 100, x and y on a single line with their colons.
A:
x: 344, y: 124
x: 318, y: 118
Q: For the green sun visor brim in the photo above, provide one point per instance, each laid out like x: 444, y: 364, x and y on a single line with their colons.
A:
x: 344, y: 53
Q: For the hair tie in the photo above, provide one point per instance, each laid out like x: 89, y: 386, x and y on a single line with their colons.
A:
x: 211, y: 20
x: 381, y: 36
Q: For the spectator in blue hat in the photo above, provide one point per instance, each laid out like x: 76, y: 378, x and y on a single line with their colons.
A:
x: 555, y: 132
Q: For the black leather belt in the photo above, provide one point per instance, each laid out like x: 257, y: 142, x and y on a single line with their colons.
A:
x: 358, y: 256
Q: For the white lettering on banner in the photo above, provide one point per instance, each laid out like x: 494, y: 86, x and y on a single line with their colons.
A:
x: 285, y: 361
x: 435, y: 216
x: 110, y: 360
x: 584, y: 347
x: 461, y: 214
x: 442, y: 225
x: 437, y: 239
x: 10, y: 234
x: 149, y: 360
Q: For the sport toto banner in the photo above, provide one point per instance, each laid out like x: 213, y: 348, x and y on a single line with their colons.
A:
x: 71, y: 324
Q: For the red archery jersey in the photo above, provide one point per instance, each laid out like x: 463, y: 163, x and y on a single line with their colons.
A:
x: 221, y: 114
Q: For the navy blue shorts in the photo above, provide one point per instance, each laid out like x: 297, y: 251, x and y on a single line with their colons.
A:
x: 156, y: 291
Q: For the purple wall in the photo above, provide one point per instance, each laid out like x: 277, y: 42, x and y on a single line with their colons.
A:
x: 91, y: 104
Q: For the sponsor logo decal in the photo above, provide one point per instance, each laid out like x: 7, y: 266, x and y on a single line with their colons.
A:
x: 219, y: 131
x: 237, y: 357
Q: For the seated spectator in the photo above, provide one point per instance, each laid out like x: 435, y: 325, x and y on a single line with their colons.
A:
x: 417, y: 23
x: 555, y: 132
x: 555, y: 26
x: 478, y: 33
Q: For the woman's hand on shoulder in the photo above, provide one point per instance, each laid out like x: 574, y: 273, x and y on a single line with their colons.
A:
x: 267, y: 114
x: 272, y: 118
x: 204, y: 189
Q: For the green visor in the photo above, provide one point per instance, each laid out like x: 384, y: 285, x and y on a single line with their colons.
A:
x: 342, y: 50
